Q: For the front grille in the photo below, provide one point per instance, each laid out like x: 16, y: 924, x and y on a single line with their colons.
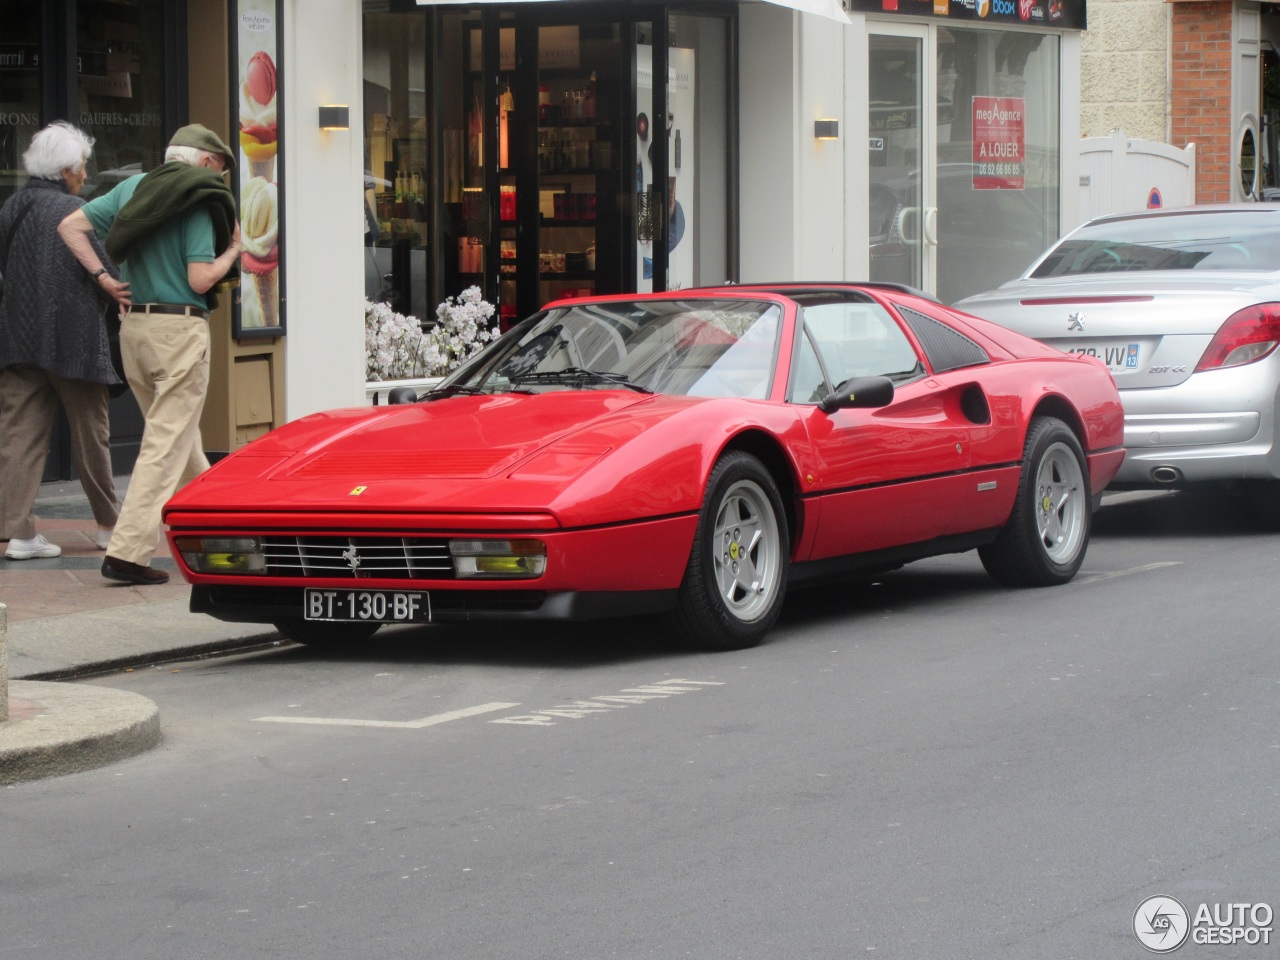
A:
x: 358, y: 558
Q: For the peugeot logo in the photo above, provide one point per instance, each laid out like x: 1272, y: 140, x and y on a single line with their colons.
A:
x: 352, y: 556
x: 1075, y: 321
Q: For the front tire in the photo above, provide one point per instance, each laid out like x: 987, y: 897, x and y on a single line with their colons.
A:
x: 737, y: 575
x: 326, y: 634
x: 1044, y: 542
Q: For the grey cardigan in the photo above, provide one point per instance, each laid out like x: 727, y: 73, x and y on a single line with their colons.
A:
x: 51, y: 314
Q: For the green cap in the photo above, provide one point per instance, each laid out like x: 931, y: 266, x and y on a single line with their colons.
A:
x: 202, y: 138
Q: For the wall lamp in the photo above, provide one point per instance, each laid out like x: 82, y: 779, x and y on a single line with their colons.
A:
x: 335, y: 117
x: 826, y: 129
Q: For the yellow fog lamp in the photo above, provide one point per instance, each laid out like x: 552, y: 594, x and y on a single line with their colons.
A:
x: 227, y: 555
x: 499, y: 559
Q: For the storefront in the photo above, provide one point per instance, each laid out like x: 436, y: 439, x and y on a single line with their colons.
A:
x: 103, y: 66
x: 526, y: 150
x: 129, y: 73
x: 553, y: 149
x: 544, y: 150
x: 965, y: 151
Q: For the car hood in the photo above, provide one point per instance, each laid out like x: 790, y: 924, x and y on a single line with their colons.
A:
x: 1167, y: 319
x: 508, y: 452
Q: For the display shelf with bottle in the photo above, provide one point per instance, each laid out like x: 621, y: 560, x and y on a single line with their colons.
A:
x: 554, y: 180
x: 578, y: 152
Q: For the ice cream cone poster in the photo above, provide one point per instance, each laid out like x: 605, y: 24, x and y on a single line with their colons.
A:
x: 260, y: 262
x: 257, y: 36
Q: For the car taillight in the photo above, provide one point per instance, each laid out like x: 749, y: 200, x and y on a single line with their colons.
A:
x: 1248, y: 335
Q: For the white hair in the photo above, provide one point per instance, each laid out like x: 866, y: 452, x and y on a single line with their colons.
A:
x: 191, y: 155
x: 57, y: 147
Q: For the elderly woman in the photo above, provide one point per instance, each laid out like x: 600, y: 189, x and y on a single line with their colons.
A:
x: 53, y: 345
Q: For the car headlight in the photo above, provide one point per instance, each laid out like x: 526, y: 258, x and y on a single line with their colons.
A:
x: 233, y: 556
x: 498, y: 559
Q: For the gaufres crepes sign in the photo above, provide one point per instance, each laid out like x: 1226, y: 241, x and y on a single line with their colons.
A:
x: 999, y: 143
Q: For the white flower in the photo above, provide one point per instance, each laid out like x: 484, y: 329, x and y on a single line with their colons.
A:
x: 397, y: 347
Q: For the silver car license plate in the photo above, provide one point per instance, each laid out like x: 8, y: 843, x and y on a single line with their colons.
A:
x: 368, y: 606
x: 1120, y: 357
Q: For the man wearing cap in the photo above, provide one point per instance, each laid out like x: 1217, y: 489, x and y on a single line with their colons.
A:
x: 174, y: 233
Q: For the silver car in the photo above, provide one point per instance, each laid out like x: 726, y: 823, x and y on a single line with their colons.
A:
x: 1183, y: 306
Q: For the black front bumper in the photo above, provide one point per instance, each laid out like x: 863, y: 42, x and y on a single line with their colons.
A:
x: 239, y: 604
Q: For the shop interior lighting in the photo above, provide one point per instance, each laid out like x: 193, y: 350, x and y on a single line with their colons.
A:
x: 335, y: 117
x: 826, y: 129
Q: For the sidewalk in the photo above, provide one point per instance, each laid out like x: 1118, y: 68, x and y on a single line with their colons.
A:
x: 65, y: 620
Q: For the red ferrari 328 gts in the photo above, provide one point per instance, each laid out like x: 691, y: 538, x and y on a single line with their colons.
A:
x: 691, y: 454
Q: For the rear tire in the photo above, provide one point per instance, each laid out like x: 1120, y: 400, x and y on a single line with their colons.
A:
x: 326, y: 634
x: 737, y: 575
x: 1044, y: 542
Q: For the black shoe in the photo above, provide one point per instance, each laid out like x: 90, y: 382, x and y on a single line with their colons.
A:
x: 126, y: 572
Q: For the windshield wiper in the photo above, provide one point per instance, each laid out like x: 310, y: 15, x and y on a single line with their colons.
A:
x: 460, y: 389
x: 576, y: 374
x: 452, y: 390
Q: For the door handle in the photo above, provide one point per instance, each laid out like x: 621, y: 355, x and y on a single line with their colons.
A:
x: 929, y: 222
x: 909, y: 226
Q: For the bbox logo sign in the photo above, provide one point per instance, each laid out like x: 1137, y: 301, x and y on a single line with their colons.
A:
x: 1162, y: 924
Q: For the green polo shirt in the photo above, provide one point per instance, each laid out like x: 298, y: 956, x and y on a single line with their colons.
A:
x: 157, y: 269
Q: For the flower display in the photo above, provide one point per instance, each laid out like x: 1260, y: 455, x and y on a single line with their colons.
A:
x: 398, y: 348
x: 463, y: 327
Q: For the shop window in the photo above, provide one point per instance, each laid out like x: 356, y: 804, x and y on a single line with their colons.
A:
x: 399, y: 163
x: 998, y: 156
x: 526, y: 150
x: 120, y: 88
x: 1248, y: 164
x: 1269, y: 139
x: 697, y: 168
x: 19, y: 89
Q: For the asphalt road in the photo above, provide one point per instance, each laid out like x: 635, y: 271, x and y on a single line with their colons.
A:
x: 927, y: 767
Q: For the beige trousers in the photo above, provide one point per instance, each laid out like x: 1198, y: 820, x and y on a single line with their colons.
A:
x: 29, y: 400
x: 166, y: 361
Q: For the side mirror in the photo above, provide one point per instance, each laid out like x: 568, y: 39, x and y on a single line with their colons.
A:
x: 863, y: 392
x: 402, y: 395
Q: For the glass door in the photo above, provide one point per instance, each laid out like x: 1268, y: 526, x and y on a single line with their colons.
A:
x: 545, y: 151
x: 997, y: 133
x: 576, y: 206
x: 964, y: 155
x: 901, y: 214
x: 538, y: 205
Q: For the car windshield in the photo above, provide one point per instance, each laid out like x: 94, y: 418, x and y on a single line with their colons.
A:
x: 1227, y: 240
x: 697, y: 348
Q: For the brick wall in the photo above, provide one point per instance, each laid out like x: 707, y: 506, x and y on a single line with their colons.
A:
x: 1201, y: 58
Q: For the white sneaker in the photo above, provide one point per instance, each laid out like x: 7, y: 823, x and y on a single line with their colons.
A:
x: 37, y: 548
x: 103, y: 538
